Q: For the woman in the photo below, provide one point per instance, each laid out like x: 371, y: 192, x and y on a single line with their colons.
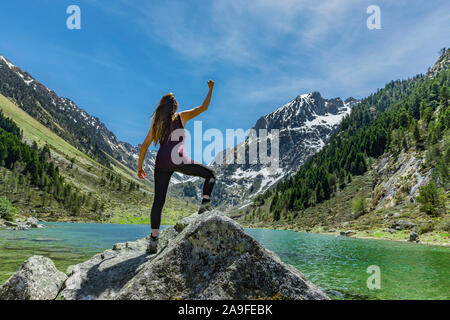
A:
x: 167, y: 129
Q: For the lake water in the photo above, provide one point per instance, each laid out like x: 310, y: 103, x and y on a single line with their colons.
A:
x: 338, y: 265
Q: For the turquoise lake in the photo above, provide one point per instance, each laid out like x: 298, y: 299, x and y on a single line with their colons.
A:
x: 338, y: 265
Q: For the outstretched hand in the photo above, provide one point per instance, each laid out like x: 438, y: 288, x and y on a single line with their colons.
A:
x: 141, y: 174
x: 210, y: 84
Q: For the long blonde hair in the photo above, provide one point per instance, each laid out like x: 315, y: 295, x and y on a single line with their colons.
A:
x: 163, y: 116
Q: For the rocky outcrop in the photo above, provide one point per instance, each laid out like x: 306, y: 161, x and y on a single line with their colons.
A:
x: 202, y: 257
x: 37, y: 279
x: 403, y: 225
x: 22, y: 225
x: 399, y: 179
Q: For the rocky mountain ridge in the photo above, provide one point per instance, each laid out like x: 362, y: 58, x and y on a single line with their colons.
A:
x: 305, y: 124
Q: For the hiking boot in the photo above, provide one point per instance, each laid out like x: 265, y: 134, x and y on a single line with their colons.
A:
x: 205, y: 206
x: 152, y: 245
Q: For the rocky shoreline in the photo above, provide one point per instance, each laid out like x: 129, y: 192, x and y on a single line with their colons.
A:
x: 409, y: 237
x: 207, y: 256
x: 21, y: 224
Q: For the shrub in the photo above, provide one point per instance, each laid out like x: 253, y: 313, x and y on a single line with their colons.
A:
x: 426, y: 228
x: 445, y: 225
x: 189, y: 190
x: 359, y: 206
x: 430, y: 199
x: 276, y: 215
x: 7, y: 210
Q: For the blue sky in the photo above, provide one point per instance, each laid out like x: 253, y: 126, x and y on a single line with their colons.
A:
x: 261, y: 53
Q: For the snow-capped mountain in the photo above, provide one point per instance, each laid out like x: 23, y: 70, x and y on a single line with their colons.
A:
x: 305, y: 124
x: 65, y: 118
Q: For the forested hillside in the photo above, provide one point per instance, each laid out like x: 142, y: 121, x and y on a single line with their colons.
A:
x: 408, y: 116
x: 34, y: 167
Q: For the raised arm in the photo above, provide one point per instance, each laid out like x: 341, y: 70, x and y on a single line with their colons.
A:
x: 148, y: 140
x: 189, y: 114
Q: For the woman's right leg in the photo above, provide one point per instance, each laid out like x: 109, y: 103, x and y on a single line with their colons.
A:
x: 162, y: 178
x: 199, y: 170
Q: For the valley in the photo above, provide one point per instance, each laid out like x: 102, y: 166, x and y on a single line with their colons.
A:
x: 370, y: 178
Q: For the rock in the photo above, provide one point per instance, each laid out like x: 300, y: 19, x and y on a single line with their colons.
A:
x: 36, y: 279
x: 24, y: 225
x: 19, y: 227
x: 396, y: 215
x: 10, y: 224
x: 413, y: 237
x: 39, y: 226
x: 402, y: 225
x: 205, y: 256
x: 347, y: 233
x: 32, y: 221
x: 390, y: 230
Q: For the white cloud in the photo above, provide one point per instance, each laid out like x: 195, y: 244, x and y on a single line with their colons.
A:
x: 287, y: 47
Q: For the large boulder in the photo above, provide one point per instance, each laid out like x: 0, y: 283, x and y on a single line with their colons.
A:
x: 205, y: 256
x: 33, y: 223
x: 37, y: 279
x: 403, y: 225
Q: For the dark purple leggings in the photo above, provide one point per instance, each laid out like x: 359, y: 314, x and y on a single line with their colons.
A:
x: 162, y: 179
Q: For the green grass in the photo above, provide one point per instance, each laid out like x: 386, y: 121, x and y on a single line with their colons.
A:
x: 33, y: 130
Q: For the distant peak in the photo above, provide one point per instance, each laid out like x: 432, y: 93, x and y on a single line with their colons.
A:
x: 314, y: 95
x: 350, y: 99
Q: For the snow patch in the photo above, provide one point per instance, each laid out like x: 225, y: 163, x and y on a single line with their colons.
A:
x: 9, y: 64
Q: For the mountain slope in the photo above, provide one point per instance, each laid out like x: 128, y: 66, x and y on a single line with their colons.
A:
x: 305, y: 125
x: 105, y: 183
x: 67, y: 120
x: 392, y: 152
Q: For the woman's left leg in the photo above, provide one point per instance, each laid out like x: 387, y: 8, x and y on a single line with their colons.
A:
x: 162, y: 179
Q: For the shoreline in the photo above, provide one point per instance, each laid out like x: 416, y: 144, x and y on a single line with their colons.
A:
x: 356, y: 235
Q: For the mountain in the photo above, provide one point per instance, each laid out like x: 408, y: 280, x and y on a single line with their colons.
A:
x: 384, y: 172
x: 66, y: 119
x: 305, y: 125
x: 59, y: 163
